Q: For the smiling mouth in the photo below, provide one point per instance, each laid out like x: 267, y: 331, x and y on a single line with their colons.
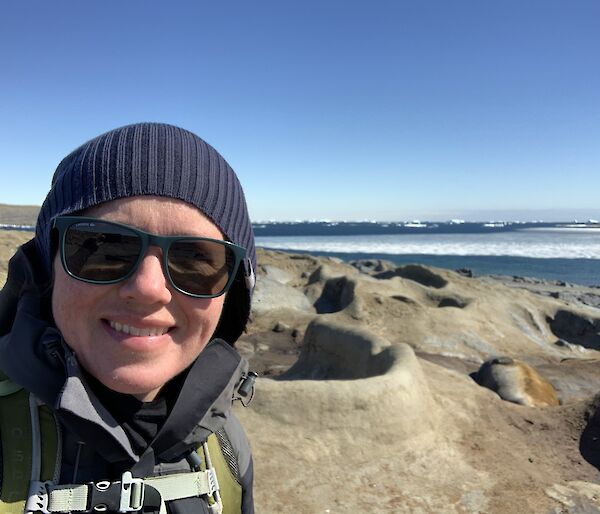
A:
x: 136, y: 331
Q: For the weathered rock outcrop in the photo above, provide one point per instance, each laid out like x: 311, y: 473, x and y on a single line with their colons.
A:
x: 363, y: 424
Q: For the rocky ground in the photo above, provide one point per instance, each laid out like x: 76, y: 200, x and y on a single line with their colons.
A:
x: 379, y: 412
x: 366, y: 401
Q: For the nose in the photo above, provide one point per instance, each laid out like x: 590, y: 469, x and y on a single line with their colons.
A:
x: 148, y: 285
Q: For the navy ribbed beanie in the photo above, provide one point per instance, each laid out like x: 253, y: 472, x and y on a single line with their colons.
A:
x: 162, y: 160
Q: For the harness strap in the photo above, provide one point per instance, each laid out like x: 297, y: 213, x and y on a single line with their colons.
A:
x: 26, y: 454
x: 172, y: 487
x: 126, y: 495
x: 67, y: 498
x: 36, y: 439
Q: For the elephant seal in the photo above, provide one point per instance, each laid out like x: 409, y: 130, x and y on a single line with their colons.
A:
x: 516, y: 382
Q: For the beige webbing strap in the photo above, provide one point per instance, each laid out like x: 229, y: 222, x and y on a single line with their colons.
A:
x: 67, y: 498
x: 173, y: 487
x: 76, y: 498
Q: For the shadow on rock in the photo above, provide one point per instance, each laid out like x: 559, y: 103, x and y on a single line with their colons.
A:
x: 416, y: 273
x: 589, y: 444
x: 576, y: 329
x: 338, y: 293
x: 333, y: 351
x: 450, y: 301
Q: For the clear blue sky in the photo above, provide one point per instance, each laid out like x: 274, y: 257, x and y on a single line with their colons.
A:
x: 326, y: 109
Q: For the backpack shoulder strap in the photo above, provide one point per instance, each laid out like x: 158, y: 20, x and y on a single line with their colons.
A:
x: 229, y: 486
x: 30, y: 445
x: 15, y: 432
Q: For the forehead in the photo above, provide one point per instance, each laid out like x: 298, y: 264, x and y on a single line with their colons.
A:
x: 159, y: 215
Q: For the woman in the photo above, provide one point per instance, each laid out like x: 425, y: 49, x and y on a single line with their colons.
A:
x: 120, y: 316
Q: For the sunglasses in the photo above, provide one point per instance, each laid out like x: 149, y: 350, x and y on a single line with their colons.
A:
x: 104, y: 252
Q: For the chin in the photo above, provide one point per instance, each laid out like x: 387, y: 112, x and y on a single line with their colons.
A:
x: 133, y: 383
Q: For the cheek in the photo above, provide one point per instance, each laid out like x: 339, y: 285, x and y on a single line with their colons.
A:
x: 214, y: 312
x: 69, y: 303
x: 217, y: 310
x: 203, y: 318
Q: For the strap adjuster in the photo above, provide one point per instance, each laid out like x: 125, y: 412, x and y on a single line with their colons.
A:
x: 213, y: 483
x: 132, y: 493
x: 126, y: 495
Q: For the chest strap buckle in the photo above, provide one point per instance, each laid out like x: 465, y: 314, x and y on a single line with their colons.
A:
x: 102, y: 496
x: 126, y: 495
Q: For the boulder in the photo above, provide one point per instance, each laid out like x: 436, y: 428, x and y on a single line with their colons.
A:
x: 517, y: 382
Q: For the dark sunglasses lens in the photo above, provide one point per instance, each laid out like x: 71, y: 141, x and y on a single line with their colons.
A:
x: 100, y: 251
x: 200, y: 267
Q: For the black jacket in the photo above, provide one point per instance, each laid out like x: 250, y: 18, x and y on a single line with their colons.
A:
x: 34, y: 355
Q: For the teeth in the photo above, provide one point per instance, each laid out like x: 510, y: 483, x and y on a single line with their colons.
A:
x: 135, y: 331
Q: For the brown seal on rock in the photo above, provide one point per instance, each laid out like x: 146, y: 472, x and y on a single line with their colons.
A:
x: 517, y: 382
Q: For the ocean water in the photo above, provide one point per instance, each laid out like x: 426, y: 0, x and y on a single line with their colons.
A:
x: 553, y: 252
x: 566, y: 252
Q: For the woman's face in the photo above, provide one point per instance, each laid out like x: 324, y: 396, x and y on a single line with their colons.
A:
x: 98, y: 322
